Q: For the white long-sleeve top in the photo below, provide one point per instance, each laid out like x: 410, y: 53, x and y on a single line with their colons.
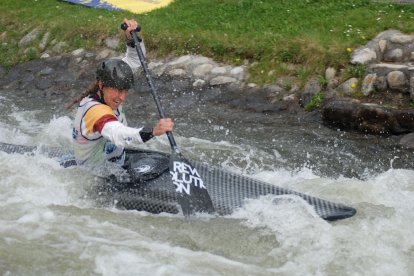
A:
x: 100, y: 133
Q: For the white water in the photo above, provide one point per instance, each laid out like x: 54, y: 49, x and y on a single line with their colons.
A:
x: 48, y: 225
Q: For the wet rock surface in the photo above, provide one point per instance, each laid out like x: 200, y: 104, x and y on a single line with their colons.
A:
x: 192, y: 81
x: 368, y: 118
x: 65, y: 76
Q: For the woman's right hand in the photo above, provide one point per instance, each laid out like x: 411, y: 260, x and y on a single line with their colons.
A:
x: 164, y: 125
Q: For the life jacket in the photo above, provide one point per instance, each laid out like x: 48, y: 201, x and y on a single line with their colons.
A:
x: 90, y: 147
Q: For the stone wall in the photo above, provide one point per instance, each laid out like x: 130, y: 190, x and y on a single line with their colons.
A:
x: 389, y: 59
x: 388, y: 89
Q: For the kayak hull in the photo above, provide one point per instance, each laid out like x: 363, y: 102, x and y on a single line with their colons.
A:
x: 155, y: 192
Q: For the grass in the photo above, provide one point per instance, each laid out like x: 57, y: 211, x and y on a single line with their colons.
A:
x: 315, y: 102
x: 297, y: 38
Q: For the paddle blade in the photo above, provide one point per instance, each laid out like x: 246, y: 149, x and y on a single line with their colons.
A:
x: 191, y: 190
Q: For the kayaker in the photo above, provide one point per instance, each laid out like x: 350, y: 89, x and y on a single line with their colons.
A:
x: 100, y: 131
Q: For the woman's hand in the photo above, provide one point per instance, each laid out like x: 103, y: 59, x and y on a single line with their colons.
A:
x: 132, y: 25
x: 163, y: 126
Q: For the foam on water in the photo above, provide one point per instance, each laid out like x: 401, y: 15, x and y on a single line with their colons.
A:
x: 44, y: 213
x: 57, y: 132
x: 364, y: 245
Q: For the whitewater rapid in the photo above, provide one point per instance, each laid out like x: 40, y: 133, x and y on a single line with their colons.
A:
x: 50, y: 226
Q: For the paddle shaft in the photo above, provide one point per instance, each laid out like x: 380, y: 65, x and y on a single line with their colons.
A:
x: 143, y: 61
x: 192, y: 197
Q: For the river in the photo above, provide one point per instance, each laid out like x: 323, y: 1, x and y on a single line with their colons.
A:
x: 49, y: 225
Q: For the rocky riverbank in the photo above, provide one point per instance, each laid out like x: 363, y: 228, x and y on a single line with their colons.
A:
x: 380, y: 103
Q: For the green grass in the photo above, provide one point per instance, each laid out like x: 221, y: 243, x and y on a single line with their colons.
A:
x: 287, y: 37
x: 315, y: 102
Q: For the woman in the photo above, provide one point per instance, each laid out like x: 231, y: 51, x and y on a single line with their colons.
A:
x: 100, y: 129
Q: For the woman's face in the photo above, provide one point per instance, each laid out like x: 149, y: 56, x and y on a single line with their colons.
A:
x: 114, y: 97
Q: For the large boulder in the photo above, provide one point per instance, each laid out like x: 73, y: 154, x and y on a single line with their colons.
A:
x: 367, y: 118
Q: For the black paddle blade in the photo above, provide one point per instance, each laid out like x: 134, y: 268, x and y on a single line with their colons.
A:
x: 191, y: 190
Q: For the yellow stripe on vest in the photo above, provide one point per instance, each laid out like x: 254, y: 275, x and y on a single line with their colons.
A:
x: 94, y: 114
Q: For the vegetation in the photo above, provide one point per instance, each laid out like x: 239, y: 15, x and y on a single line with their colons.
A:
x: 356, y: 71
x: 315, y: 102
x: 276, y: 37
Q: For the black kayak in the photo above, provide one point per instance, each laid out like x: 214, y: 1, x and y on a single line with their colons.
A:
x: 153, y: 191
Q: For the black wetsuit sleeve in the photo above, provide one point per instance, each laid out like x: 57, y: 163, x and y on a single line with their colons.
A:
x: 146, y: 134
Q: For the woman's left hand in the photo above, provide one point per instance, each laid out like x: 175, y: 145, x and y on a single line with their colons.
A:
x: 132, y: 25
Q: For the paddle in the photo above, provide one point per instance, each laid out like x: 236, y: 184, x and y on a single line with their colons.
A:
x: 192, y: 192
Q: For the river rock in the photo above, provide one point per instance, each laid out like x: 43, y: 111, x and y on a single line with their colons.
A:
x: 89, y: 55
x: 27, y: 39
x: 332, y: 84
x: 154, y: 64
x: 197, y: 60
x: 160, y: 70
x: 394, y: 55
x: 382, y: 45
x: 272, y: 88
x: 397, y: 80
x: 382, y: 69
x: 78, y: 52
x: 374, y: 49
x: 105, y: 53
x: 402, y: 38
x: 290, y: 98
x: 221, y: 80
x: 177, y: 72
x: 412, y: 88
x: 330, y: 73
x: 348, y: 88
x: 363, y: 56
x: 237, y: 72
x: 44, y: 56
x: 46, y: 71
x: 380, y: 84
x: 43, y: 42
x: 3, y: 36
x: 59, y: 47
x: 199, y: 83
x: 112, y: 42
x: 368, y: 118
x: 407, y: 141
x: 368, y: 84
x: 181, y: 60
x: 202, y: 70
x: 220, y: 70
x: 311, y: 88
x: 189, y: 62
